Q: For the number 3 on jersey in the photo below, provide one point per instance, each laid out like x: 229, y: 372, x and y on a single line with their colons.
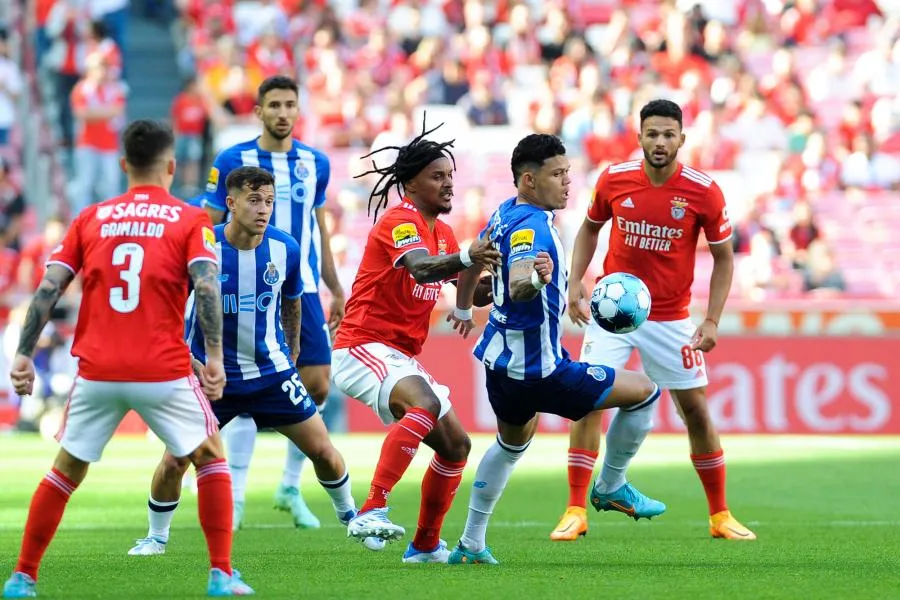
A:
x: 126, y: 299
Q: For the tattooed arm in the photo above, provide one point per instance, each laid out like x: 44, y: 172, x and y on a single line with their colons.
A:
x: 208, y: 304
x: 52, y: 287
x: 290, y: 323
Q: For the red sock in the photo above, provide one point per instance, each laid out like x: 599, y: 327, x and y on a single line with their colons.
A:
x: 44, y: 514
x: 397, y: 452
x: 711, y: 470
x: 581, y: 467
x: 215, y: 505
x: 438, y: 490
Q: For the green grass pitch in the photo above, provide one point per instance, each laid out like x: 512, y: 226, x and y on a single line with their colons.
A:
x: 826, y: 511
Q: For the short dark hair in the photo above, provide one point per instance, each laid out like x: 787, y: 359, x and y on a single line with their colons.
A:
x: 277, y: 82
x: 532, y: 151
x: 145, y: 141
x: 252, y: 177
x: 411, y: 160
x: 661, y: 108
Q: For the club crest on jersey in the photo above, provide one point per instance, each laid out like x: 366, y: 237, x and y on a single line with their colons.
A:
x: 521, y: 241
x: 271, y: 275
x: 213, y: 182
x: 442, y: 246
x: 404, y: 235
x: 301, y: 171
x: 597, y: 373
x: 679, y: 205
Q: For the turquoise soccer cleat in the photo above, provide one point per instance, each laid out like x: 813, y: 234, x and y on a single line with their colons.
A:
x: 222, y: 584
x: 462, y: 556
x: 19, y: 585
x: 289, y: 499
x: 627, y: 499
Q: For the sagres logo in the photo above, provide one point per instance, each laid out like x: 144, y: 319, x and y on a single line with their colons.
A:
x: 521, y: 241
x: 404, y: 235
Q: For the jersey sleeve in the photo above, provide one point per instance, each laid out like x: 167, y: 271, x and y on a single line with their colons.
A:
x: 399, y: 236
x: 599, y: 211
x: 293, y: 287
x: 323, y: 175
x: 716, y: 224
x: 201, y: 240
x: 526, y: 240
x: 70, y: 252
x: 215, y: 184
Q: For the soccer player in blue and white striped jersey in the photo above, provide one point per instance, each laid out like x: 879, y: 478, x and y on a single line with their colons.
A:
x: 261, y: 291
x: 301, y: 177
x: 527, y: 371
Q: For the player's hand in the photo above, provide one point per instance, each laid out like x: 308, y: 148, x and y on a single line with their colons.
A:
x: 579, y: 311
x: 463, y: 326
x: 543, y: 264
x: 336, y: 313
x: 705, y: 337
x: 482, y: 251
x: 22, y: 375
x: 212, y: 378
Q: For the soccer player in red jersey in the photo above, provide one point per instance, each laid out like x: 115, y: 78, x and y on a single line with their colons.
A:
x: 658, y: 207
x: 409, y: 255
x: 137, y: 254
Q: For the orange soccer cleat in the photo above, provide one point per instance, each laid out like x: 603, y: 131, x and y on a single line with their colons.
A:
x: 572, y: 525
x: 723, y: 525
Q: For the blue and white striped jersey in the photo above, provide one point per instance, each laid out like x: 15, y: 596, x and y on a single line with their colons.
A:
x: 301, y: 177
x: 524, y: 339
x: 252, y: 283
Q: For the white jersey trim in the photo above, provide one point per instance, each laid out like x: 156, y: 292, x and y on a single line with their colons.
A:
x: 720, y: 241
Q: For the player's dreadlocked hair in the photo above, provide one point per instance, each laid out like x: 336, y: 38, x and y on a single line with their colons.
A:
x: 411, y: 159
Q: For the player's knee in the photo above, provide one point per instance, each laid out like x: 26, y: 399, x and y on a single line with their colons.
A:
x: 317, y: 388
x: 173, y: 466
x: 644, y: 388
x: 457, y: 446
x: 207, y: 452
x: 694, y: 410
x: 413, y: 392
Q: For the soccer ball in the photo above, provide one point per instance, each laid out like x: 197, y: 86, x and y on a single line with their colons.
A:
x: 620, y: 303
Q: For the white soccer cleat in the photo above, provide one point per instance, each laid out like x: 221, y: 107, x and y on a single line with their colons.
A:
x: 438, y: 555
x: 148, y: 546
x: 374, y: 523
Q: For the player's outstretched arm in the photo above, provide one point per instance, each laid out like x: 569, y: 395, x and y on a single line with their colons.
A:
x: 208, y: 305
x: 56, y: 279
x: 461, y: 317
x: 290, y: 323
x: 582, y: 253
x: 427, y: 269
x: 528, y: 276
x: 707, y: 334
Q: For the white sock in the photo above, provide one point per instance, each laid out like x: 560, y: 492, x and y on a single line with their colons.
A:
x: 339, y: 491
x: 160, y: 515
x: 240, y: 439
x: 490, y: 480
x: 293, y: 466
x: 624, y: 437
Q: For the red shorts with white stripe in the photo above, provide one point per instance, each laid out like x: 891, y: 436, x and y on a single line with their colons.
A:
x: 176, y: 411
x: 369, y: 373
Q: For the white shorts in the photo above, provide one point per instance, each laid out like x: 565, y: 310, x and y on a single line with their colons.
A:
x: 176, y: 411
x: 664, y: 347
x: 370, y: 372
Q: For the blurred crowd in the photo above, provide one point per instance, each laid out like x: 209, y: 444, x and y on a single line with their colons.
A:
x: 793, y: 106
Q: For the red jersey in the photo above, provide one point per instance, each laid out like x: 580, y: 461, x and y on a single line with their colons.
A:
x: 386, y: 304
x: 655, y: 229
x: 133, y: 253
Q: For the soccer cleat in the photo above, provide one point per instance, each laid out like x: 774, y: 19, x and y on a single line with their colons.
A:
x: 148, y: 546
x: 439, y: 555
x: 723, y: 525
x: 375, y: 544
x: 374, y: 523
x: 237, y: 516
x: 462, y: 556
x: 289, y: 499
x: 19, y: 585
x: 573, y: 525
x: 222, y: 584
x: 627, y: 499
